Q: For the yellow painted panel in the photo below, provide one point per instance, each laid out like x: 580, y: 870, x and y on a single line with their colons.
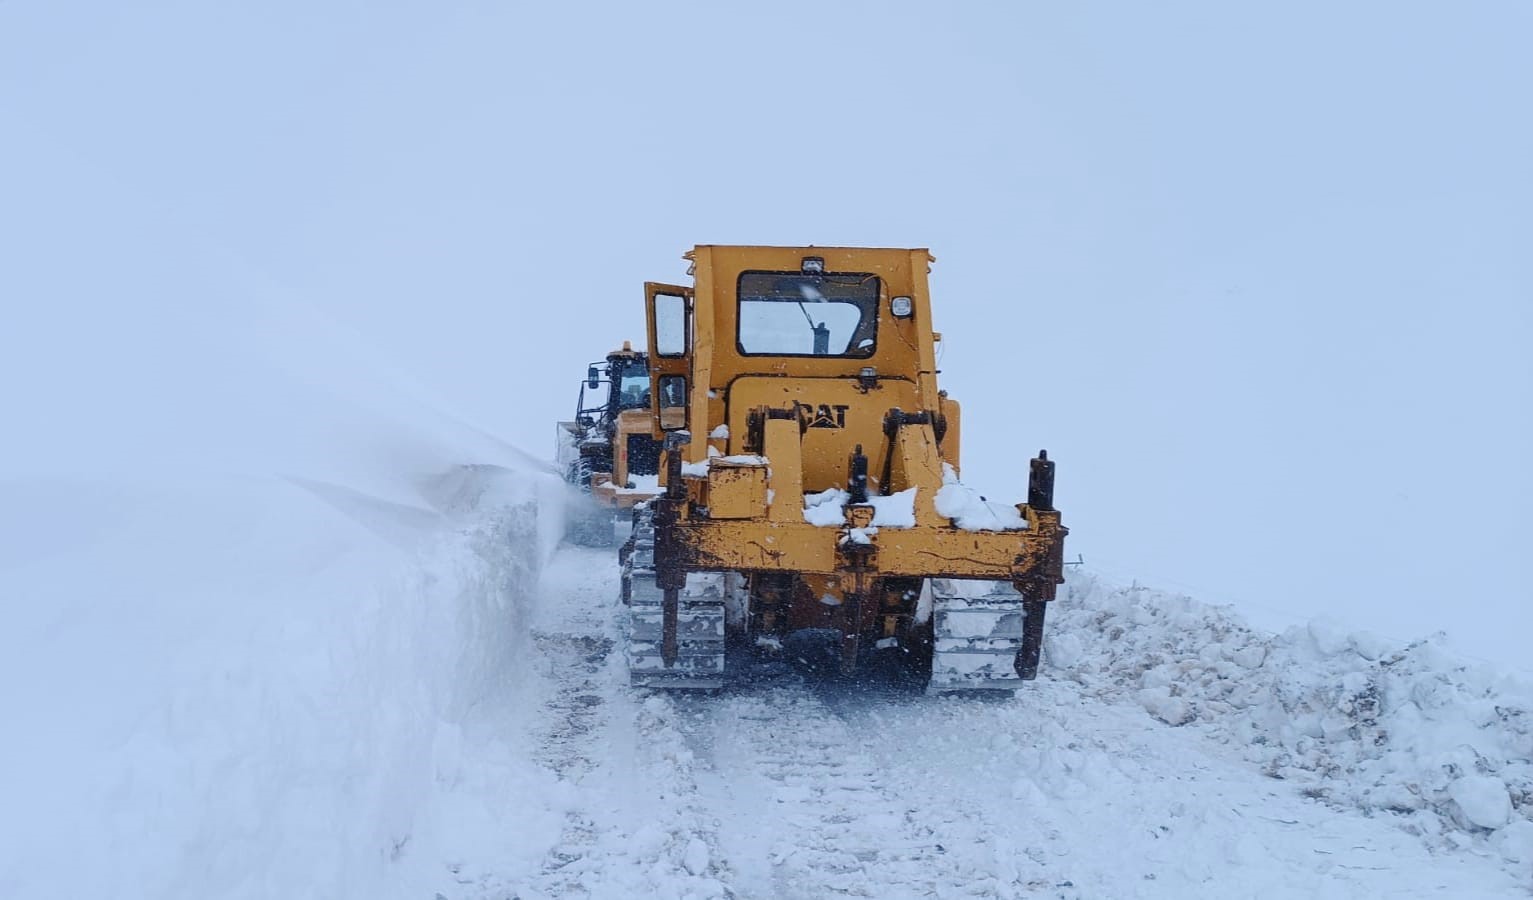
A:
x: 834, y: 416
x: 784, y: 456
x: 736, y: 492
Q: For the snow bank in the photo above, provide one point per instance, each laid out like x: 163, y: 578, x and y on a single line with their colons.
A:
x: 250, y: 688
x: 257, y: 588
x: 1408, y: 731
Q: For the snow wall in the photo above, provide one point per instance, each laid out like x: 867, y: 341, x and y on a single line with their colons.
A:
x: 257, y: 588
x: 254, y: 688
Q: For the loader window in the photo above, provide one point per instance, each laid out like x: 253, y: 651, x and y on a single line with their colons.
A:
x: 800, y: 314
x: 635, y: 392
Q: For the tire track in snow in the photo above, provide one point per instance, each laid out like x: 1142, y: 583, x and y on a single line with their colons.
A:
x: 573, y: 642
x: 808, y: 809
x: 567, y: 745
x: 575, y: 709
x: 783, y: 790
x: 635, y: 826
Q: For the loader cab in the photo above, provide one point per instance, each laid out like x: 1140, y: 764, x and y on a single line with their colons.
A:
x: 619, y: 383
x: 629, y: 377
x: 612, y: 420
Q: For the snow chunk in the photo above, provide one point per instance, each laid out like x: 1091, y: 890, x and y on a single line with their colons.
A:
x: 1515, y: 841
x: 895, y: 510
x: 1328, y: 637
x: 648, y: 842
x: 862, y: 536
x: 700, y: 469
x: 1159, y: 703
x: 1370, y: 646
x: 1063, y: 650
x: 972, y: 512
x: 641, y: 484
x: 825, y: 508
x: 696, y: 856
x: 1249, y: 657
x: 720, y: 433
x: 1482, y: 799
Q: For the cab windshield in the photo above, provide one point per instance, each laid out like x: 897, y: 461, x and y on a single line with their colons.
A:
x: 800, y: 314
x: 632, y: 387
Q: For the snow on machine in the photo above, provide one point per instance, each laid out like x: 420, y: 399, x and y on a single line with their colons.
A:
x: 810, y: 498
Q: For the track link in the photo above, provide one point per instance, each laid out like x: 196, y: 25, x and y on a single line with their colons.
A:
x: 977, y: 631
x: 700, y: 619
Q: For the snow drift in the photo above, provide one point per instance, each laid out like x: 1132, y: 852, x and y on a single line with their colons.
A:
x: 245, y: 688
x: 1408, y: 731
x: 255, y: 585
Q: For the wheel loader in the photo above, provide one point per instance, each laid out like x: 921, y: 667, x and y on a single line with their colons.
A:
x: 811, y: 501
x: 608, y: 452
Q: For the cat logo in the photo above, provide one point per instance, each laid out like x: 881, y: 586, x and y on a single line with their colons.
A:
x: 825, y: 415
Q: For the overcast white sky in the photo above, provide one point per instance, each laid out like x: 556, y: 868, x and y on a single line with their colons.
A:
x: 1259, y: 280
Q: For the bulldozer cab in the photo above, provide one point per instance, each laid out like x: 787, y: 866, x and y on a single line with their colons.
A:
x: 838, y: 339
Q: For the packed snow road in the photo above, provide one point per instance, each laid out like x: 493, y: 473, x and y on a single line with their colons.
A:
x: 792, y: 790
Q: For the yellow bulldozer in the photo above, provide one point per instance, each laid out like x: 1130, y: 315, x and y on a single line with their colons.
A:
x: 810, y: 501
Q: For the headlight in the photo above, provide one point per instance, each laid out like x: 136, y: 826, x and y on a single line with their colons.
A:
x: 901, y: 306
